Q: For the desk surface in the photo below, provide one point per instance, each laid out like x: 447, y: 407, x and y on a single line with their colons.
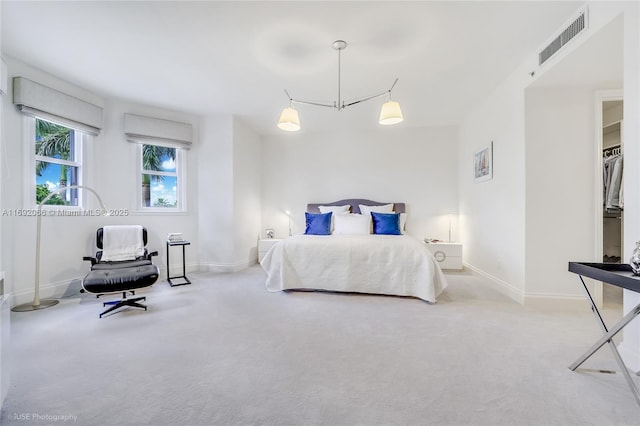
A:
x: 618, y: 274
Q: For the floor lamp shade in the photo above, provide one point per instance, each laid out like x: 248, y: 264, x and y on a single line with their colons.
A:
x: 390, y: 113
x: 289, y: 120
x: 37, y: 303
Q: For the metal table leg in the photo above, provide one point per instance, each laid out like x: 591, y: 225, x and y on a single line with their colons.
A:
x: 608, y: 338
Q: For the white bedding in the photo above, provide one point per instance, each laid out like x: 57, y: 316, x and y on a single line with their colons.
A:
x: 381, y: 264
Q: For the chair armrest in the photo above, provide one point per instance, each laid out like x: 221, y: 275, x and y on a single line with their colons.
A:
x: 93, y: 260
x: 153, y: 253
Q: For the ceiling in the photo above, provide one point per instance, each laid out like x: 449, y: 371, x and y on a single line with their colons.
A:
x: 211, y: 58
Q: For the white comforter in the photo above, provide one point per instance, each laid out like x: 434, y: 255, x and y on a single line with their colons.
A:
x: 381, y: 264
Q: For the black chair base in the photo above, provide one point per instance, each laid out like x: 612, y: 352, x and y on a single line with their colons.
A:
x: 117, y: 304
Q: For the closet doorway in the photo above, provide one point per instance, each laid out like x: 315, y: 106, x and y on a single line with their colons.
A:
x: 610, y: 188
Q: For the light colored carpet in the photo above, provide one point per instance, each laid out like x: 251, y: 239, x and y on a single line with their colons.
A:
x: 223, y: 351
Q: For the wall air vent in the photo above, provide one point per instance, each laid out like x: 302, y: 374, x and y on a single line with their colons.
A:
x: 575, y: 28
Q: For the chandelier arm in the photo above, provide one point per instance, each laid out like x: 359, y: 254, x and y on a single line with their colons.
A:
x: 368, y: 98
x: 393, y: 85
x: 296, y: 101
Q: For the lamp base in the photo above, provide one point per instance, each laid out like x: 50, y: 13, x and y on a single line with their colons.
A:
x: 26, y: 307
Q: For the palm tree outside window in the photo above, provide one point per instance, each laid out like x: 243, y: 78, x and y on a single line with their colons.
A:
x: 159, y: 176
x: 57, y: 162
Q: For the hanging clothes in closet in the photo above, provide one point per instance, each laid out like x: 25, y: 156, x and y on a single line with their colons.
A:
x: 612, y: 179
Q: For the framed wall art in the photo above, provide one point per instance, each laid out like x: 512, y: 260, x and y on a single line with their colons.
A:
x: 483, y: 164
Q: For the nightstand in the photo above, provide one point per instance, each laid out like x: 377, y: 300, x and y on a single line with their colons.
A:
x: 448, y: 255
x: 264, y: 245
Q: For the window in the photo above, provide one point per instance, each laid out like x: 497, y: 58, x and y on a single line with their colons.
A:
x: 57, y: 162
x: 160, y: 177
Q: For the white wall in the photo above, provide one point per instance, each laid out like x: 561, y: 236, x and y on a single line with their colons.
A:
x: 111, y: 166
x: 5, y: 327
x: 401, y: 164
x: 215, y: 200
x: 495, y: 214
x: 630, y: 346
x: 492, y: 212
x: 562, y: 162
x: 247, y: 172
x: 560, y: 179
x: 229, y: 170
x: 495, y: 242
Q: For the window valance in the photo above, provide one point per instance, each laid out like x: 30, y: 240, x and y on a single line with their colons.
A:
x: 3, y: 76
x: 156, y: 131
x: 41, y: 101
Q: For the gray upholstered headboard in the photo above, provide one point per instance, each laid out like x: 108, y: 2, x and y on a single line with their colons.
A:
x: 354, y: 203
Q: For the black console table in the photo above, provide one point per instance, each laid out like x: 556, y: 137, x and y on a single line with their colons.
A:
x: 182, y: 277
x: 619, y: 275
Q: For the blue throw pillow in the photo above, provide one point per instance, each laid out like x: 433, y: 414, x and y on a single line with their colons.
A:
x: 318, y: 223
x: 386, y: 223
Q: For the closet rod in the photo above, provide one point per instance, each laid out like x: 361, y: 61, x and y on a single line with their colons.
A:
x: 612, y: 150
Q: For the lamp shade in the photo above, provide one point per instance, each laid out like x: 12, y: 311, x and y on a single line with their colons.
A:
x: 390, y: 113
x: 289, y: 120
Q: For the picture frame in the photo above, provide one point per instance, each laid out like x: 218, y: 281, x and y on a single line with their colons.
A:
x: 269, y: 233
x: 483, y: 164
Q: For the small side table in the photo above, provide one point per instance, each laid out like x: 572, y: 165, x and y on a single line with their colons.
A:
x: 184, y: 269
x: 448, y: 255
x: 264, y: 245
x: 619, y: 275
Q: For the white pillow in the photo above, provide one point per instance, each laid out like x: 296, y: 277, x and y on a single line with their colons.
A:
x: 403, y: 223
x: 352, y: 224
x: 385, y: 208
x: 334, y: 209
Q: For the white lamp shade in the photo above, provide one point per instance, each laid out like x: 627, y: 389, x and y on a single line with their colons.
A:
x: 390, y: 113
x: 289, y: 120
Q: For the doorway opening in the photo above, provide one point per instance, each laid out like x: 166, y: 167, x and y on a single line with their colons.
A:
x: 609, y: 130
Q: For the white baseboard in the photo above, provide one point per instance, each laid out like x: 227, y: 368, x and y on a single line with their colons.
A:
x: 59, y: 289
x: 224, y: 267
x: 551, y: 300
x: 499, y: 285
x: 47, y: 291
x: 177, y: 269
x: 527, y: 298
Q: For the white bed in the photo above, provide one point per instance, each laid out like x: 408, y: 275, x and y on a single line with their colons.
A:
x: 397, y: 265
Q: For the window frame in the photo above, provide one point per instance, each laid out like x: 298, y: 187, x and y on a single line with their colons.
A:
x: 180, y: 175
x: 81, y: 142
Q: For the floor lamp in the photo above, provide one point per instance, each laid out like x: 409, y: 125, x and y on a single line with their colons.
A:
x: 289, y: 216
x: 46, y: 303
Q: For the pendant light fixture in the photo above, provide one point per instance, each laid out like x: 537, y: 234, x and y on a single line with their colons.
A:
x: 390, y: 112
x: 289, y: 119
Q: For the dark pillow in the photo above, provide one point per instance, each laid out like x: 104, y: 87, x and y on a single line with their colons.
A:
x: 318, y: 223
x: 386, y: 223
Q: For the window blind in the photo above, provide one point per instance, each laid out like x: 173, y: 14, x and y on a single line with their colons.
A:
x: 156, y: 131
x: 41, y: 101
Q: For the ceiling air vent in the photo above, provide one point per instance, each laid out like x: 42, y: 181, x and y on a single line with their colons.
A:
x: 577, y: 26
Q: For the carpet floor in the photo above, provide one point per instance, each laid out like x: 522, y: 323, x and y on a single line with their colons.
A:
x: 224, y: 351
